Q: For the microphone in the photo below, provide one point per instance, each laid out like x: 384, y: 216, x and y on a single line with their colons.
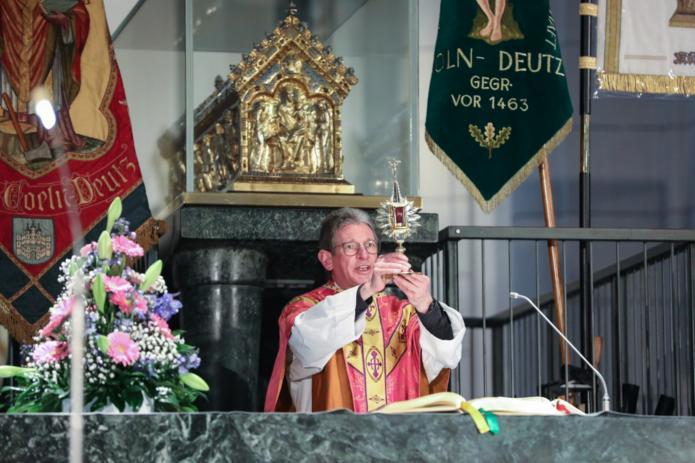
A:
x: 606, y: 398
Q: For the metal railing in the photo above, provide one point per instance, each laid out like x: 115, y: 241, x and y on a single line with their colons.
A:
x: 642, y: 305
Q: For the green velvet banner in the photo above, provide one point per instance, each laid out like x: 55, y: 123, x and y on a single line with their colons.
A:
x: 498, y: 102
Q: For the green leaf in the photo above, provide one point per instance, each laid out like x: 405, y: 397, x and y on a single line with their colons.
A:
x: 10, y: 371
x: 118, y: 401
x: 103, y: 343
x: 73, y: 267
x: 99, y: 402
x: 134, y: 398
x: 114, y: 213
x: 151, y: 275
x: 104, y: 247
x: 184, y: 348
x: 194, y: 382
x: 98, y: 292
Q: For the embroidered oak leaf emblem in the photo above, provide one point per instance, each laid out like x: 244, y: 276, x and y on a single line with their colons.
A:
x: 488, y: 138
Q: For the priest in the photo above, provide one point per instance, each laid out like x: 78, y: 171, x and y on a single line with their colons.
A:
x: 348, y: 344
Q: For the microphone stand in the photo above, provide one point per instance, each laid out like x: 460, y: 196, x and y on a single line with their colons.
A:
x: 606, y: 398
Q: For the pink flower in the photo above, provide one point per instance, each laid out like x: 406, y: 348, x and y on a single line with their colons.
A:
x: 88, y: 248
x: 116, y: 284
x: 126, y: 246
x: 50, y: 351
x: 120, y: 299
x: 162, y: 325
x: 122, y: 349
x: 60, y: 312
x: 140, y: 303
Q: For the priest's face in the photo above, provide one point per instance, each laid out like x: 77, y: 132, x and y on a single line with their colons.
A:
x: 351, y: 270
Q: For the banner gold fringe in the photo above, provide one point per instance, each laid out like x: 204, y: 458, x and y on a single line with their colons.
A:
x: 512, y: 183
x: 20, y: 330
x: 645, y: 83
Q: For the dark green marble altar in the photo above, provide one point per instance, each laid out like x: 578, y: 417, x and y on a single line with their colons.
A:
x: 236, y: 267
x: 345, y: 437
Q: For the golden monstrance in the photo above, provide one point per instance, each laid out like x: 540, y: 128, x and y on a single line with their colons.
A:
x: 397, y: 218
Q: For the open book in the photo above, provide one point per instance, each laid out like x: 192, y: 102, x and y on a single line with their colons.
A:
x: 450, y: 401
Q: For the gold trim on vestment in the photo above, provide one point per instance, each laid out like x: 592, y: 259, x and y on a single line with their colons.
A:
x: 353, y: 354
x: 397, y: 343
x: 373, y: 358
x: 488, y: 205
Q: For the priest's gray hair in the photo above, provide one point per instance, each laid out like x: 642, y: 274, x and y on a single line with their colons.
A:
x: 339, y: 218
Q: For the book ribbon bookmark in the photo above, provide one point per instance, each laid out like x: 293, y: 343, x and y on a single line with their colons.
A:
x: 480, y: 422
x: 491, y: 420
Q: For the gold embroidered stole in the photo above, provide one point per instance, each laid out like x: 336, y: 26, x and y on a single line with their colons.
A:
x: 373, y: 357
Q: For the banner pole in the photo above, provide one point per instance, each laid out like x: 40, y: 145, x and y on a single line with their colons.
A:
x: 588, y: 11
x: 553, y: 255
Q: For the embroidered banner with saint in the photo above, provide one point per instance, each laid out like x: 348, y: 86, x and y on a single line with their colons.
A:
x: 64, y: 46
x: 498, y: 102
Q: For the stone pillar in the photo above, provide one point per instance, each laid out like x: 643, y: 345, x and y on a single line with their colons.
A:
x: 221, y: 288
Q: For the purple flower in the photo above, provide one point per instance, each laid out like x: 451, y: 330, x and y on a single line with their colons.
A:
x: 189, y: 362
x: 121, y: 227
x: 147, y: 366
x: 123, y: 324
x: 90, y: 322
x: 166, y: 306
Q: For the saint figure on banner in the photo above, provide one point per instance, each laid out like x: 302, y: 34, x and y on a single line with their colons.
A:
x: 42, y: 44
x: 496, y: 23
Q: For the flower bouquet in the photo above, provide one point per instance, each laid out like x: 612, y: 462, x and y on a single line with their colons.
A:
x: 130, y: 353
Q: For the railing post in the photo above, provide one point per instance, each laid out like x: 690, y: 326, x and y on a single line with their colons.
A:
x: 452, y: 293
x: 587, y: 26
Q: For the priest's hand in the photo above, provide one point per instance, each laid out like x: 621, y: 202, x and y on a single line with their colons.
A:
x: 386, y: 264
x: 416, y: 287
